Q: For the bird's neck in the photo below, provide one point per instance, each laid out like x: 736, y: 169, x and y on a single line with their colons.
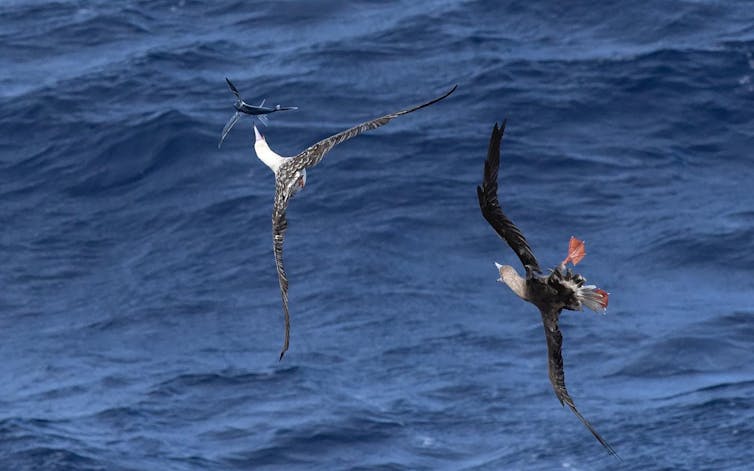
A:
x: 266, y: 155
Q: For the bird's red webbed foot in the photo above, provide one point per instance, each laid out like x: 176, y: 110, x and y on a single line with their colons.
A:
x: 576, y: 251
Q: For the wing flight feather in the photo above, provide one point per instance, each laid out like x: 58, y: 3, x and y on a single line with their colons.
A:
x: 314, y: 154
x: 490, y: 206
x: 279, y: 226
x: 557, y: 375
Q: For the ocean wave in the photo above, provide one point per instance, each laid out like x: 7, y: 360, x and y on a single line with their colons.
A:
x: 141, y: 305
x: 349, y: 438
x: 732, y: 249
x: 135, y: 153
x: 696, y: 355
x: 189, y: 381
x: 35, y: 458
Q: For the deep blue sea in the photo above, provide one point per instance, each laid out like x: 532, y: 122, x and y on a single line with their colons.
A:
x: 140, y: 316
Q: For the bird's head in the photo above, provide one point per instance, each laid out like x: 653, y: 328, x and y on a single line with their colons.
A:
x: 510, y: 277
x: 507, y: 273
x: 265, y: 154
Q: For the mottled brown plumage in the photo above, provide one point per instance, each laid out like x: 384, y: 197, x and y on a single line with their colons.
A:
x: 290, y: 177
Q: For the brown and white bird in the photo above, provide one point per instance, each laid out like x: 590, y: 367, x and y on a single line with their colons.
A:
x: 290, y: 177
x: 551, y: 293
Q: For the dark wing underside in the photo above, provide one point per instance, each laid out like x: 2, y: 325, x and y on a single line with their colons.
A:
x: 314, y: 154
x: 279, y: 225
x: 557, y: 376
x: 488, y: 202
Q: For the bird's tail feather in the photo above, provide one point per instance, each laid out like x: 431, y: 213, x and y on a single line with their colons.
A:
x: 594, y: 298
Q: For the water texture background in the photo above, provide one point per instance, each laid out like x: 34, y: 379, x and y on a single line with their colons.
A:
x: 139, y: 309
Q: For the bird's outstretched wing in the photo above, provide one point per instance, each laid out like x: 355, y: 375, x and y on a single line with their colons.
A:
x: 228, y: 126
x: 557, y: 376
x: 233, y: 88
x: 314, y: 154
x: 488, y: 202
x: 279, y: 225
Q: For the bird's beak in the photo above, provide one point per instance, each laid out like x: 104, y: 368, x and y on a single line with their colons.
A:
x: 258, y: 134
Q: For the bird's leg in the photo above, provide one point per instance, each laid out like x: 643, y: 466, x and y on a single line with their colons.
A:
x: 576, y: 251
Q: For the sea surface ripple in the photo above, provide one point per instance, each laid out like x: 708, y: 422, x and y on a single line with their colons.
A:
x: 140, y: 312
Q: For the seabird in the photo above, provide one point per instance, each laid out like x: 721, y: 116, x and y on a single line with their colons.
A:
x: 290, y: 177
x: 245, y: 108
x: 560, y: 289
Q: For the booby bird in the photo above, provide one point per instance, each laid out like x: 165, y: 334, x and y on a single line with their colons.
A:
x: 560, y: 289
x: 245, y: 108
x: 290, y: 177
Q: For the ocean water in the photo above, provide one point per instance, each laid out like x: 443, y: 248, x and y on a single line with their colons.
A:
x: 140, y: 314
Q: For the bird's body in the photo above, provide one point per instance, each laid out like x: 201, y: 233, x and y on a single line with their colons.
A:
x: 260, y: 111
x: 290, y: 178
x: 551, y: 293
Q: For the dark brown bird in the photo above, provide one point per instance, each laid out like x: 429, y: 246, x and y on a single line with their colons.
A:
x: 560, y: 289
